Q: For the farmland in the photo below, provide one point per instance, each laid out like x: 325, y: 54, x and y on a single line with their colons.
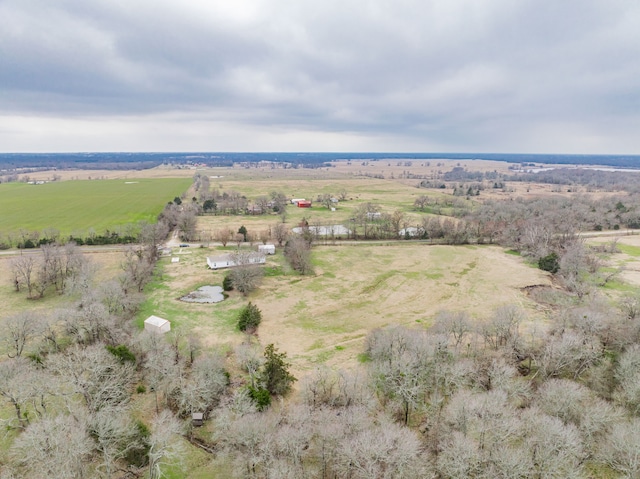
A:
x: 452, y: 324
x: 75, y: 207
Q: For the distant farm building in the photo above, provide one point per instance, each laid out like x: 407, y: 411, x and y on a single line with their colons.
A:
x: 294, y: 201
x: 411, y: 232
x: 229, y: 261
x: 254, y: 210
x: 158, y: 325
x: 267, y: 249
x: 330, y: 230
x: 304, y: 204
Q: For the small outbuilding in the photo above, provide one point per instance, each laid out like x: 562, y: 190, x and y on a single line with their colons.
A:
x: 304, y: 204
x: 158, y: 325
x: 267, y: 249
x: 197, y: 419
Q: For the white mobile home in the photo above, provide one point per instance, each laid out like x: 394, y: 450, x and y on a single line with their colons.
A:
x: 229, y: 261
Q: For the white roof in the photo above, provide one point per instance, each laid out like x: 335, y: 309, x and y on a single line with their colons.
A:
x: 156, y: 321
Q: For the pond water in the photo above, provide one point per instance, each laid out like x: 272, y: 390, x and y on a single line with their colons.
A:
x: 204, y: 294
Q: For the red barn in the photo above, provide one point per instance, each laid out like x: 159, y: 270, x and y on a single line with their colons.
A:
x: 304, y: 204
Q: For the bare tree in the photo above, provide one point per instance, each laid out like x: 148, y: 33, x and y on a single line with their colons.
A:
x: 568, y: 353
x: 23, y: 268
x: 264, y: 236
x: 279, y: 201
x: 153, y: 234
x: 383, y: 450
x: 503, y: 328
x: 224, y: 236
x: 91, y: 323
x: 137, y: 268
x: 455, y: 323
x: 246, y: 275
x: 396, y: 221
x: 115, y: 436
x: 621, y: 450
x: 18, y: 330
x: 627, y: 374
x: 280, y: 233
x: 187, y: 221
x: 202, y: 391
x: 575, y: 404
x: 114, y: 297
x: 249, y: 357
x: 17, y: 387
x: 56, y: 446
x: 421, y: 202
x: 161, y: 371
x: 262, y: 202
x: 95, y: 375
x: 164, y: 445
x: 298, y: 253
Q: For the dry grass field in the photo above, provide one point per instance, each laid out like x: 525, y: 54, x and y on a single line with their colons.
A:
x: 323, y: 318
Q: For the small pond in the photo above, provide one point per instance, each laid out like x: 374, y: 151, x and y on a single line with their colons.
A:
x: 204, y: 294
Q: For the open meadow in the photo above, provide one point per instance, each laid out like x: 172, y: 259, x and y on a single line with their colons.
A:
x: 323, y: 318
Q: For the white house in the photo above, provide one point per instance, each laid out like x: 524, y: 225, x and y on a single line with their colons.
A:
x: 228, y: 261
x: 411, y: 232
x: 267, y: 249
x: 295, y: 201
x: 155, y: 324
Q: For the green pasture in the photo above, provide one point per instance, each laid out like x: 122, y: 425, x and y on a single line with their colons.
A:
x: 75, y: 207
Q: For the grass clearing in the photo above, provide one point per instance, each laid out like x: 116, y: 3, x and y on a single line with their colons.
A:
x: 354, y: 290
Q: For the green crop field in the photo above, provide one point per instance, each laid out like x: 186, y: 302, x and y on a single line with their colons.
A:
x: 78, y: 206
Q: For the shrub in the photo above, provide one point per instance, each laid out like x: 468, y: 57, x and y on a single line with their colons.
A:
x: 122, y: 352
x: 227, y: 283
x: 138, y: 451
x: 260, y: 397
x: 249, y: 317
x: 549, y: 263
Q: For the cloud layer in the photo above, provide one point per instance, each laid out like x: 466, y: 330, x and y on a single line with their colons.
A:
x: 288, y: 75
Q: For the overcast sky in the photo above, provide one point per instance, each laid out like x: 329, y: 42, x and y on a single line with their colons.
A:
x: 528, y: 76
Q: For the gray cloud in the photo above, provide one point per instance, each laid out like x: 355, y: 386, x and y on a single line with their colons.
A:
x: 405, y: 75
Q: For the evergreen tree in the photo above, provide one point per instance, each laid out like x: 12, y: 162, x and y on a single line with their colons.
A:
x: 249, y: 317
x: 243, y: 231
x: 275, y: 376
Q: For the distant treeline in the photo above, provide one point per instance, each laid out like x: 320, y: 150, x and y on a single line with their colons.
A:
x: 150, y: 160
x: 592, y: 179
